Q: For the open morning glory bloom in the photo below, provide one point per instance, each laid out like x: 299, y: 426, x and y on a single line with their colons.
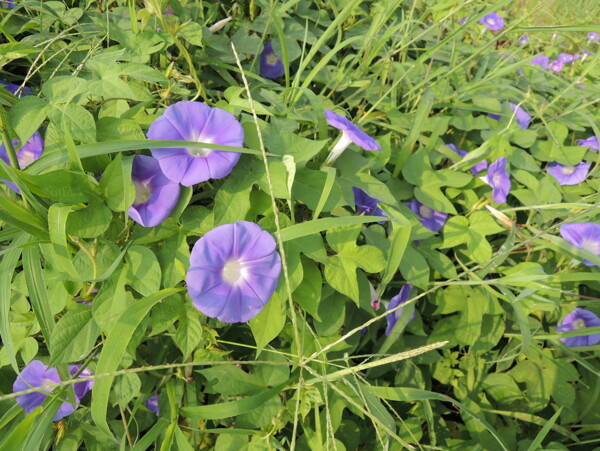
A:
x: 593, y: 36
x: 540, y: 60
x: 12, y: 88
x: 155, y: 194
x: 555, y: 66
x: 481, y: 166
x: 196, y: 121
x: 463, y: 21
x: 430, y: 218
x: 81, y: 388
x: 152, y: 404
x: 270, y: 64
x: 367, y: 204
x: 27, y: 154
x: 569, y: 175
x: 592, y: 141
x: 567, y: 58
x: 350, y: 134
x: 34, y: 375
x: 579, y: 319
x: 498, y: 178
x: 234, y: 270
x: 493, y: 21
x: 524, y: 40
x: 584, y: 235
x: 400, y: 298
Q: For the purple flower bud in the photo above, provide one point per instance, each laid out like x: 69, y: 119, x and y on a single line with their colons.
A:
x: 152, y: 404
x: 592, y: 141
x: 430, y: 218
x: 555, y: 66
x: 498, y: 178
x: 270, y: 64
x: 524, y: 39
x: 540, y: 60
x: 31, y: 151
x: 196, y: 121
x: 234, y: 270
x: 81, y: 388
x: 492, y: 21
x: 350, y: 134
x: 569, y: 175
x: 400, y: 298
x: 593, y: 36
x: 367, y: 204
x: 584, y: 235
x: 481, y: 166
x: 463, y: 21
x: 155, y: 194
x: 579, y: 319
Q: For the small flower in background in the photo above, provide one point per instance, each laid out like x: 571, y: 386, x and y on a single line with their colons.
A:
x: 350, y: 134
x: 152, y: 404
x: 567, y: 174
x: 540, y: 60
x: 463, y: 21
x: 169, y: 11
x: 37, y: 375
x: 234, y: 270
x: 375, y: 301
x: 524, y: 39
x: 555, y: 66
x: 567, y: 58
x: 270, y: 64
x: 481, y: 166
x: 196, y: 121
x: 498, y: 178
x: 8, y: 4
x: 521, y: 115
x: 584, y: 235
x: 31, y: 151
x: 593, y: 36
x: 367, y: 204
x: 430, y: 218
x: 12, y: 88
x: 492, y: 21
x: 592, y: 141
x: 155, y: 194
x: 579, y: 319
x: 400, y: 298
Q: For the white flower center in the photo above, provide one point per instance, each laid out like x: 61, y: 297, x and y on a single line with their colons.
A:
x: 142, y: 192
x: 271, y: 59
x: 592, y: 246
x: 234, y: 272
x: 200, y: 151
x: 568, y: 170
x: 579, y: 324
x: 425, y: 211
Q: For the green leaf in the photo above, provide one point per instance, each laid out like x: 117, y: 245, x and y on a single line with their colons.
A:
x: 309, y: 186
x: 144, y: 274
x: 114, y: 350
x: 37, y: 290
x: 77, y: 120
x: 189, y: 330
x: 232, y: 201
x: 116, y: 184
x: 308, y: 293
x: 73, y: 337
x: 89, y: 222
x: 17, y: 437
x: 174, y: 259
x: 127, y: 387
x: 64, y: 88
x: 26, y: 116
x: 301, y: 149
x: 57, y: 223
x: 268, y: 323
x: 307, y: 228
x: 192, y: 33
x: 69, y: 187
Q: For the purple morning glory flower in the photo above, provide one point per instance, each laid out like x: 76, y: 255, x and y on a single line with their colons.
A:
x: 593, y: 36
x: 524, y: 39
x: 350, y: 134
x: 567, y: 58
x: 584, y: 235
x: 234, y: 270
x: 196, y: 121
x: 270, y: 65
x: 555, y: 66
x: 498, y: 178
x: 520, y: 114
x: 34, y: 375
x: 12, y: 88
x: 569, y: 175
x: 430, y: 218
x: 8, y: 4
x: 481, y: 166
x: 579, y: 319
x: 367, y: 204
x: 463, y: 21
x: 540, y: 60
x: 592, y: 141
x: 155, y: 194
x: 152, y: 404
x: 493, y: 21
x: 27, y: 154
x: 400, y: 298
x: 81, y: 388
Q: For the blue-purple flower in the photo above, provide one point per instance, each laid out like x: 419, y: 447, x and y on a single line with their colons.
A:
x: 432, y: 219
x: 38, y: 375
x: 523, y: 118
x: 155, y: 194
x: 27, y: 154
x: 196, y: 121
x: 556, y: 66
x: 399, y: 299
x: 270, y: 64
x: 540, y: 60
x: 579, y: 319
x: 569, y: 174
x: 567, y: 58
x: 8, y: 4
x: 12, y: 88
x: 593, y: 36
x: 481, y: 166
x: 592, y: 141
x: 367, y: 204
x: 497, y: 177
x: 81, y: 388
x: 152, y: 404
x: 463, y: 21
x: 584, y: 235
x: 350, y: 134
x: 234, y: 270
x: 492, y: 21
x: 523, y: 39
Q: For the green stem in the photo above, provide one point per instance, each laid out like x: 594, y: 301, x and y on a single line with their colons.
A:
x: 8, y: 145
